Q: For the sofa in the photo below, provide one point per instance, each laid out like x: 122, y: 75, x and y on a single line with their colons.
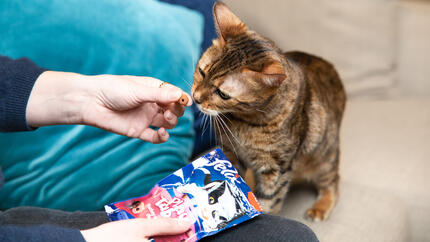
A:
x: 381, y: 50
x: 384, y: 170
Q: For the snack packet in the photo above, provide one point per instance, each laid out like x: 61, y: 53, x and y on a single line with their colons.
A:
x: 208, y: 191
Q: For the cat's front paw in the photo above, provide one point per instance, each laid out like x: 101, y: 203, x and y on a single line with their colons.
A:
x: 316, y: 214
x: 269, y: 206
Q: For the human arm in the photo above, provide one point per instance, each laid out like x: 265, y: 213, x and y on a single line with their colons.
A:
x: 126, y: 105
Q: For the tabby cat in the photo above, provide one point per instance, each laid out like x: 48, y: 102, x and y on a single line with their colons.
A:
x: 277, y: 114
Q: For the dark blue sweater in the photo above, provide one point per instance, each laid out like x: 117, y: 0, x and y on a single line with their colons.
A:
x: 42, y: 233
x: 17, y: 78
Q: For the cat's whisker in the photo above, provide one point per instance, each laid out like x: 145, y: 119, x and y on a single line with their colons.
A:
x: 232, y: 145
x: 217, y: 129
x: 225, y: 116
x: 210, y: 133
x: 237, y: 140
x: 259, y: 110
x: 225, y: 124
x: 203, y: 120
x: 205, y: 123
x: 209, y: 122
x: 187, y: 82
x: 210, y: 126
x: 193, y: 60
x: 226, y: 134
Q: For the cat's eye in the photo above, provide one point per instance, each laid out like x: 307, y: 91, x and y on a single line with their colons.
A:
x: 211, y: 200
x: 222, y: 95
x: 202, y: 73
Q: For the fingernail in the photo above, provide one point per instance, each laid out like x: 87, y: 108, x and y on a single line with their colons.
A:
x: 175, y: 95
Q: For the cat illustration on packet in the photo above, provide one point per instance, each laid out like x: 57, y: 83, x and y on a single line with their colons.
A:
x: 219, y: 201
x: 208, y: 192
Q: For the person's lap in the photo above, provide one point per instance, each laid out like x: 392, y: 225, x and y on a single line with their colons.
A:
x: 28, y: 216
x: 262, y: 228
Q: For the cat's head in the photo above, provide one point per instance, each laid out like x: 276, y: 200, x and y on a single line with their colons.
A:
x: 240, y: 72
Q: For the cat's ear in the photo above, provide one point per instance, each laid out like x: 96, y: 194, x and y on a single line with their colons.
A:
x: 272, y: 73
x: 207, y: 179
x: 227, y: 23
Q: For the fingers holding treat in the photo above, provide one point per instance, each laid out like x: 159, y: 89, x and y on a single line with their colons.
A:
x: 184, y: 99
x: 170, y: 112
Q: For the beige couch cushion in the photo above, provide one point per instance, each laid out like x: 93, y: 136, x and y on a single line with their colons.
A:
x: 357, y: 36
x: 385, y: 168
x: 413, y: 52
x: 386, y: 145
x: 362, y: 214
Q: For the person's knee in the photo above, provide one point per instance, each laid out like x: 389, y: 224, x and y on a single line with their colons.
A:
x: 289, y: 230
x: 267, y: 228
x: 301, y: 232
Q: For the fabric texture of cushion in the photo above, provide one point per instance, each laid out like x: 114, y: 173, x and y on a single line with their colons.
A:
x: 362, y: 214
x: 81, y: 167
x: 205, y: 138
x: 205, y: 8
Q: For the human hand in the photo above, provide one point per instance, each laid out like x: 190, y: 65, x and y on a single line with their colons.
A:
x: 131, y: 104
x: 138, y: 229
x: 126, y: 105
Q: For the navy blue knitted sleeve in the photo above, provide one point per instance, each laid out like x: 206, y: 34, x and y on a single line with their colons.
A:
x: 17, y: 78
x: 40, y: 233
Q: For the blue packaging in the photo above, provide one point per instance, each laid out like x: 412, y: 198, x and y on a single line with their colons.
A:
x: 208, y: 192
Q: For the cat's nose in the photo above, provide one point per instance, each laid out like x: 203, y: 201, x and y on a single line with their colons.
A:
x: 197, y: 98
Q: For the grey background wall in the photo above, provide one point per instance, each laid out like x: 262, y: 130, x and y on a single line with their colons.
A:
x: 380, y: 47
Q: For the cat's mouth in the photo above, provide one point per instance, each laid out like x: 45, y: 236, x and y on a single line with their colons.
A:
x: 209, y: 112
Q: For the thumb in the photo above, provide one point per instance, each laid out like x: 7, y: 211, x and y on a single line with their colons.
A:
x: 165, y: 226
x: 159, y: 95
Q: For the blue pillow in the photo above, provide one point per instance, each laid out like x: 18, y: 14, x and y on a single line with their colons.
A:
x: 205, y: 8
x: 205, y: 135
x: 81, y: 167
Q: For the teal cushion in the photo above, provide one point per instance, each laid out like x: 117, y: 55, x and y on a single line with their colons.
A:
x: 81, y: 167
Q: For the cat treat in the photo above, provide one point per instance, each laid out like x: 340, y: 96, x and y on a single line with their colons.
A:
x: 183, y: 100
x: 208, y: 192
